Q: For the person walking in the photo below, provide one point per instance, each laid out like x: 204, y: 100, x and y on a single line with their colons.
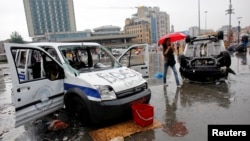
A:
x: 169, y: 61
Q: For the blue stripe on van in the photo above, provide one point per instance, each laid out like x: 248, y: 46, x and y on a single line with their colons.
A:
x: 88, y: 91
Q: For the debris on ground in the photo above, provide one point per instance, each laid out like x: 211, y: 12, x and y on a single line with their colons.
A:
x: 56, y: 125
x: 121, y: 130
x: 117, y: 139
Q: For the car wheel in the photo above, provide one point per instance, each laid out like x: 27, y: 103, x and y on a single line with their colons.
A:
x: 220, y: 35
x: 183, y: 62
x: 77, y: 108
x: 226, y: 59
x: 188, y: 39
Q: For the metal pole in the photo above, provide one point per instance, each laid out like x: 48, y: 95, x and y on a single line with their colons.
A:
x: 230, y: 12
x: 205, y: 21
x: 239, y: 33
x: 199, y: 15
x: 239, y: 30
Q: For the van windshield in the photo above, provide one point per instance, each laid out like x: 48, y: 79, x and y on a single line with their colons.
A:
x: 86, y: 58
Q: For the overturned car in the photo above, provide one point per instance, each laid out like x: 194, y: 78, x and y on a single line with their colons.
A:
x: 205, y: 59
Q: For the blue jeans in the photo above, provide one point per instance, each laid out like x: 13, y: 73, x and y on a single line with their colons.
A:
x: 174, y: 71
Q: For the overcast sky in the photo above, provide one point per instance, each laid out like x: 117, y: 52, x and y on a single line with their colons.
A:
x: 90, y: 14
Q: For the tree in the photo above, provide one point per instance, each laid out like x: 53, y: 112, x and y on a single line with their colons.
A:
x: 15, y: 37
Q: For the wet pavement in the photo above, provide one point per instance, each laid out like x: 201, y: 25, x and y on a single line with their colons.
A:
x: 184, y: 112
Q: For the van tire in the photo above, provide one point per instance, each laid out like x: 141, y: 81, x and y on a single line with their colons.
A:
x: 77, y: 108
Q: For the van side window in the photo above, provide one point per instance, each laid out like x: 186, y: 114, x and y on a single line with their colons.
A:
x: 36, y: 65
x: 33, y: 65
x: 21, y: 59
x: 137, y: 56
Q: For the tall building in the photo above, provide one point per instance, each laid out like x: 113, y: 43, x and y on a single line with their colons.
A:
x: 49, y: 16
x: 141, y: 28
x: 194, y: 31
x: 163, y: 24
x: 155, y: 22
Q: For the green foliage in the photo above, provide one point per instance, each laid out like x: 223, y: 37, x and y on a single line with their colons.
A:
x: 15, y: 37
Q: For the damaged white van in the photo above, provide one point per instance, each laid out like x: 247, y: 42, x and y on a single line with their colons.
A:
x: 84, y: 78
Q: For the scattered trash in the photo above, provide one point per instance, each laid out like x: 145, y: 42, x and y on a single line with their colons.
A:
x: 56, y: 125
x: 117, y: 139
x: 1, y: 135
x: 231, y: 99
x: 123, y: 129
x: 35, y: 122
x: 81, y: 133
x: 56, y: 116
x: 217, y: 83
x: 65, y: 138
x: 158, y: 75
x: 3, y: 132
x: 47, y: 139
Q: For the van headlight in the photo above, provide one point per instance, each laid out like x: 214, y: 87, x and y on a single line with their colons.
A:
x: 106, y: 92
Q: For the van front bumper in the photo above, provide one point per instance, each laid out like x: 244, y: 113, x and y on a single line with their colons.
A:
x: 116, y: 109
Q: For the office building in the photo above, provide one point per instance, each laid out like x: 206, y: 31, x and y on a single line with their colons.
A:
x: 49, y: 17
x: 149, y: 23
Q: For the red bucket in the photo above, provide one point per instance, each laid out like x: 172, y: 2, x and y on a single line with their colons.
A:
x: 143, y: 114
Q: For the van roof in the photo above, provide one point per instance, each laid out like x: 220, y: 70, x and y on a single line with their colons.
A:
x: 56, y: 44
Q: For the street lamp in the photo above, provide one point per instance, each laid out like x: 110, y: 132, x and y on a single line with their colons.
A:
x: 205, y: 21
x: 229, y: 12
x: 239, y: 29
x: 199, y: 15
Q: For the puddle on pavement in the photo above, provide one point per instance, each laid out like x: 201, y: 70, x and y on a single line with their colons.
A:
x: 184, y: 112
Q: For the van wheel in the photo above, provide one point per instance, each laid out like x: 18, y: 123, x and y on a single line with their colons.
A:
x: 77, y: 108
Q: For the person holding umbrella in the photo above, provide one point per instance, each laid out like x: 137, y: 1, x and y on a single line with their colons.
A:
x: 169, y: 61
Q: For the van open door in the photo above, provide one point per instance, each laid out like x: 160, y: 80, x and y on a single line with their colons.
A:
x: 39, y: 89
x: 136, y: 57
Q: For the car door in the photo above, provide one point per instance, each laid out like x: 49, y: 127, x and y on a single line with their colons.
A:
x: 136, y: 57
x: 40, y: 94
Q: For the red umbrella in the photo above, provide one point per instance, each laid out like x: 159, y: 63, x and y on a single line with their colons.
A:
x: 172, y: 36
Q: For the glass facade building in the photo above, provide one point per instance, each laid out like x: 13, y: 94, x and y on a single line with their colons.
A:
x: 49, y: 16
x: 154, y: 30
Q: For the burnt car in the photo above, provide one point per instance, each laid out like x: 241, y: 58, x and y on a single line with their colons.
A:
x: 205, y: 59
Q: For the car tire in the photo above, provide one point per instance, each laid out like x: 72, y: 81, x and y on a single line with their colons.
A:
x: 226, y: 59
x: 188, y: 39
x: 183, y: 62
x: 77, y: 108
x: 220, y: 35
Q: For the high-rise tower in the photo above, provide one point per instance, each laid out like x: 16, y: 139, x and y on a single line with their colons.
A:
x: 49, y: 16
